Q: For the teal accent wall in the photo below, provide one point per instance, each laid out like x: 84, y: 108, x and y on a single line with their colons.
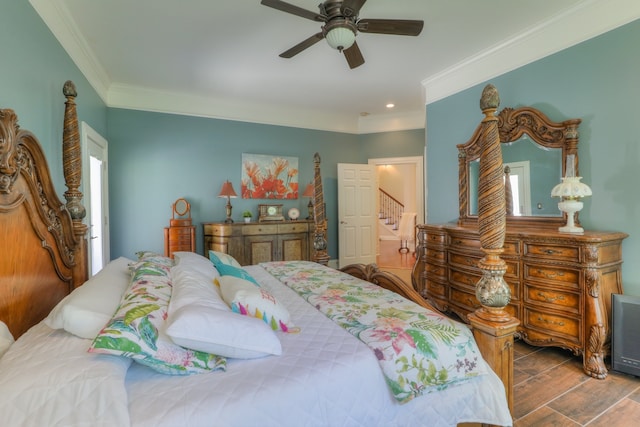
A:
x: 33, y: 71
x: 157, y: 158
x: 597, y: 81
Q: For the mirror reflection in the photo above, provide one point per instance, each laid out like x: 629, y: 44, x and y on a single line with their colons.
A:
x: 533, y: 171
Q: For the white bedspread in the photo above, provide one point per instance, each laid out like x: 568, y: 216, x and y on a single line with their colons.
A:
x: 324, y: 377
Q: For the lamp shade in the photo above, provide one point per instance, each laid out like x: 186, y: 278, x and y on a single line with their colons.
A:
x: 571, y: 188
x: 308, y: 191
x: 227, y: 190
x: 340, y: 38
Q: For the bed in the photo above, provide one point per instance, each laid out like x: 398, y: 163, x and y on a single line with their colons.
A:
x: 193, y: 341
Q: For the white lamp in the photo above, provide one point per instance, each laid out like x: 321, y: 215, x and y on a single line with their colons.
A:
x: 570, y: 191
x: 340, y: 34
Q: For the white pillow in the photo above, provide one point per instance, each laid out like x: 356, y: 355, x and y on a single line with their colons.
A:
x: 222, y: 332
x: 195, y: 263
x: 86, y: 310
x: 199, y: 319
x: 6, y: 339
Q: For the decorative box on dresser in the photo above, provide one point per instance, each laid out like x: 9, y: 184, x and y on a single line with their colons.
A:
x: 561, y: 283
x: 253, y: 243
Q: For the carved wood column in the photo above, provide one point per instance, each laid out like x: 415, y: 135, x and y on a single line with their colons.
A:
x: 493, y: 327
x: 72, y: 164
x: 320, y: 254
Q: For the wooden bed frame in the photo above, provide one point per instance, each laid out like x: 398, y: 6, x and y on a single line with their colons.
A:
x: 44, y: 257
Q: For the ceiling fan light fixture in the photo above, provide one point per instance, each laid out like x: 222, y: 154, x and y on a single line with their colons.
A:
x: 340, y: 37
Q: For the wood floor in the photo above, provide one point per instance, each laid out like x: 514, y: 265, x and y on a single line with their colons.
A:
x: 550, y: 387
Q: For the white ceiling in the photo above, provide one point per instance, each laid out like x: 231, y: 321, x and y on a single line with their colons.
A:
x: 216, y: 58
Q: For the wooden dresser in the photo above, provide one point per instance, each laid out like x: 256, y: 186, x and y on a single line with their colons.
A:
x: 181, y: 234
x: 253, y: 243
x: 561, y: 283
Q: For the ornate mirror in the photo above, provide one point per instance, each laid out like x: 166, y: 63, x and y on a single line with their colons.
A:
x: 534, y: 153
x: 181, y: 208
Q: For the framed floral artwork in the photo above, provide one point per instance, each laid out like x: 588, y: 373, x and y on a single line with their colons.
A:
x: 269, y: 177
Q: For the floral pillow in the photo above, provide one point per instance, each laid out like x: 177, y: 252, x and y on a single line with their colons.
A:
x: 244, y: 297
x: 137, y: 329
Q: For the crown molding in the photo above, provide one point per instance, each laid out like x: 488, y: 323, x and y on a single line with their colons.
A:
x: 585, y: 20
x: 57, y: 17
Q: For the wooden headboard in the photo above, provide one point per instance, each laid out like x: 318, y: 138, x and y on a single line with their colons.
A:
x: 43, y: 252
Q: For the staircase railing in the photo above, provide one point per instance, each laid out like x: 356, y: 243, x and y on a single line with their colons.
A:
x: 390, y: 209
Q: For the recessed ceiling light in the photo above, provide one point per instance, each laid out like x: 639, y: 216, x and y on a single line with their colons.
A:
x: 390, y: 105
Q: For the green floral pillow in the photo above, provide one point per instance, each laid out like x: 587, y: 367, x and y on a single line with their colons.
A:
x: 137, y: 328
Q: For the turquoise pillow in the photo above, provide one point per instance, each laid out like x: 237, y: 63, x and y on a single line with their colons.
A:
x: 241, y: 273
x: 218, y: 258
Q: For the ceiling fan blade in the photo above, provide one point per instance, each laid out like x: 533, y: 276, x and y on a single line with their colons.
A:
x: 351, y: 7
x: 302, y: 45
x: 399, y: 27
x: 294, y: 10
x: 354, y: 56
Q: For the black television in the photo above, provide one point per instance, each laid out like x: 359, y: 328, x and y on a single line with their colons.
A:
x: 625, y: 334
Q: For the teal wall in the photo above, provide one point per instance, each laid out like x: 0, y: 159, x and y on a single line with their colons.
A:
x: 596, y: 81
x: 33, y: 71
x: 156, y: 158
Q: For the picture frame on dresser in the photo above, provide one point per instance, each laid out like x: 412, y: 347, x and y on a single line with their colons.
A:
x: 561, y: 283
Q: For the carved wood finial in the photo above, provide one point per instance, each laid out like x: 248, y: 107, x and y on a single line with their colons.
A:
x: 72, y: 161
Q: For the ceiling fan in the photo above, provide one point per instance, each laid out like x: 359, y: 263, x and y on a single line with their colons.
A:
x: 341, y: 25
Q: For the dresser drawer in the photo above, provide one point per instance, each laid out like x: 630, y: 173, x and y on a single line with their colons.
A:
x: 435, y: 238
x: 566, y: 253
x: 295, y: 227
x: 436, y: 288
x: 553, y: 298
x: 464, y: 299
x: 218, y: 230
x: 560, y: 276
x: 435, y: 270
x: 553, y: 324
x: 257, y: 229
x: 463, y: 278
x: 464, y: 260
x: 436, y: 255
x: 466, y: 243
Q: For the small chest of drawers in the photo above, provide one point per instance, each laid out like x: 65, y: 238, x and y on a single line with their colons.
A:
x: 561, y: 283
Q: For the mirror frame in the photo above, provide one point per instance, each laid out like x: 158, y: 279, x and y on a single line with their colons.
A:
x: 513, y: 124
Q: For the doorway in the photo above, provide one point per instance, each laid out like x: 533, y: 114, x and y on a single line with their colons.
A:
x: 96, y: 196
x: 403, y: 177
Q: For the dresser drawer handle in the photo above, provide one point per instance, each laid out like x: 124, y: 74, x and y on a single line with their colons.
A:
x: 540, y: 319
x: 551, y: 252
x: 551, y: 275
x: 550, y: 299
x: 457, y: 242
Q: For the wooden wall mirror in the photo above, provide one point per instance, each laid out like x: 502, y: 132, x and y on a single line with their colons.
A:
x: 535, y: 149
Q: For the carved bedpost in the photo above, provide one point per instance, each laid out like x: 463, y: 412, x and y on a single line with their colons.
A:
x: 320, y: 254
x: 72, y: 164
x: 493, y: 327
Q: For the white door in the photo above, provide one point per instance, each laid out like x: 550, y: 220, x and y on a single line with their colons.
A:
x: 96, y: 196
x: 520, y: 187
x: 357, y: 217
